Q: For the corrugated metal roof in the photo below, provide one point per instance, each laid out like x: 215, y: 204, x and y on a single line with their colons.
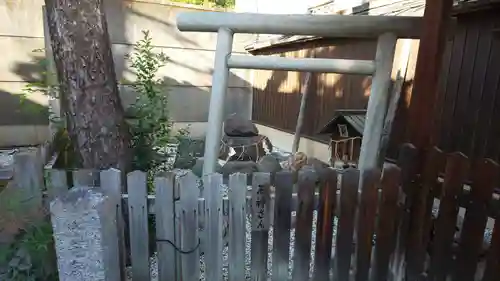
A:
x: 355, y: 118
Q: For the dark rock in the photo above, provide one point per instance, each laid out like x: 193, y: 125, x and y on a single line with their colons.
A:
x: 269, y: 164
x: 237, y: 126
x: 198, y: 167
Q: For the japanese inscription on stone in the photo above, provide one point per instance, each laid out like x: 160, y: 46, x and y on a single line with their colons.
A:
x: 260, y: 208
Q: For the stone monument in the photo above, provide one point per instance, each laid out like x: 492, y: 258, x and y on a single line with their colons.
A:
x: 85, y: 234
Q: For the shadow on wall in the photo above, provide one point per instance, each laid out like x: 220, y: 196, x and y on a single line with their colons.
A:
x: 188, y: 102
x: 15, y: 110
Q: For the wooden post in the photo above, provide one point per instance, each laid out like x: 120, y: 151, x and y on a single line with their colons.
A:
x: 425, y: 88
x: 28, y: 178
x: 300, y: 118
x: 397, y: 87
x: 377, y: 104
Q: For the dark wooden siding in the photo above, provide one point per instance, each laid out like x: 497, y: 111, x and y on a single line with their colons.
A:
x: 468, y: 111
x: 276, y: 98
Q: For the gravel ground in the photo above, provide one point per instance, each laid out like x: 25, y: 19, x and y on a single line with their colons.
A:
x: 154, y: 264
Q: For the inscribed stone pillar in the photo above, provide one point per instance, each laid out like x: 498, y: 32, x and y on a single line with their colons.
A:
x: 86, y: 238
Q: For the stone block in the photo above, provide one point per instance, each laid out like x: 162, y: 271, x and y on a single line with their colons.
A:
x: 85, y: 234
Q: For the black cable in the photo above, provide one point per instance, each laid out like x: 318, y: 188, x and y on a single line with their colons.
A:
x: 179, y: 250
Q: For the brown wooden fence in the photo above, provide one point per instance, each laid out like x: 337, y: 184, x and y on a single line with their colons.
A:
x: 435, y: 238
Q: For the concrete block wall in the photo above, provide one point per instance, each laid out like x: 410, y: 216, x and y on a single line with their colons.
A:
x: 188, y: 73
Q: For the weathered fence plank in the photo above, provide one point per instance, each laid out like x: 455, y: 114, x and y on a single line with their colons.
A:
x: 190, y: 259
x: 138, y: 222
x: 345, y: 230
x: 492, y: 272
x: 302, y: 253
x: 178, y: 236
x: 366, y: 223
x: 213, y: 226
x: 421, y: 213
x: 56, y: 183
x: 324, y: 226
x: 111, y: 183
x: 283, y: 184
x: 386, y: 226
x: 165, y: 226
x: 484, y: 177
x: 407, y: 161
x: 85, y: 177
x: 28, y: 179
x: 237, y: 226
x: 260, y: 225
x: 456, y: 171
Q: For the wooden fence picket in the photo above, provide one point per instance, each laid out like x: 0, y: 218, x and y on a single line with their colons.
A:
x: 492, y: 271
x: 456, y: 171
x: 55, y: 182
x: 386, y: 225
x: 213, y: 226
x: 260, y: 225
x: 138, y: 222
x: 421, y: 213
x: 190, y: 242
x: 111, y: 183
x: 237, y: 225
x: 324, y: 226
x: 472, y: 235
x: 85, y: 177
x: 345, y: 228
x: 283, y: 184
x: 302, y: 253
x: 366, y: 223
x: 178, y: 237
x: 165, y: 226
x: 28, y: 179
x: 407, y: 161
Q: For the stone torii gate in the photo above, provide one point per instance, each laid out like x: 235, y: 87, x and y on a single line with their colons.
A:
x: 386, y: 28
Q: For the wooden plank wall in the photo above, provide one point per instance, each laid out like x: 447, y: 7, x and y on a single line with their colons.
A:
x: 470, y: 101
x: 276, y: 98
x: 277, y: 93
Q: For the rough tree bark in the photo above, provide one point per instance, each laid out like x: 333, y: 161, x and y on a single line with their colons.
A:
x: 87, y: 79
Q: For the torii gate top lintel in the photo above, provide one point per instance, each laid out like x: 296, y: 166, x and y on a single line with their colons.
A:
x: 386, y: 28
x: 350, y: 26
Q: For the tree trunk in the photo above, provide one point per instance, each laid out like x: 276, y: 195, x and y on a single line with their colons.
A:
x: 87, y: 79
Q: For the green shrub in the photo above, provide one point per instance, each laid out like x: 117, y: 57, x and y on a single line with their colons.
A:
x: 30, y: 255
x: 151, y: 127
